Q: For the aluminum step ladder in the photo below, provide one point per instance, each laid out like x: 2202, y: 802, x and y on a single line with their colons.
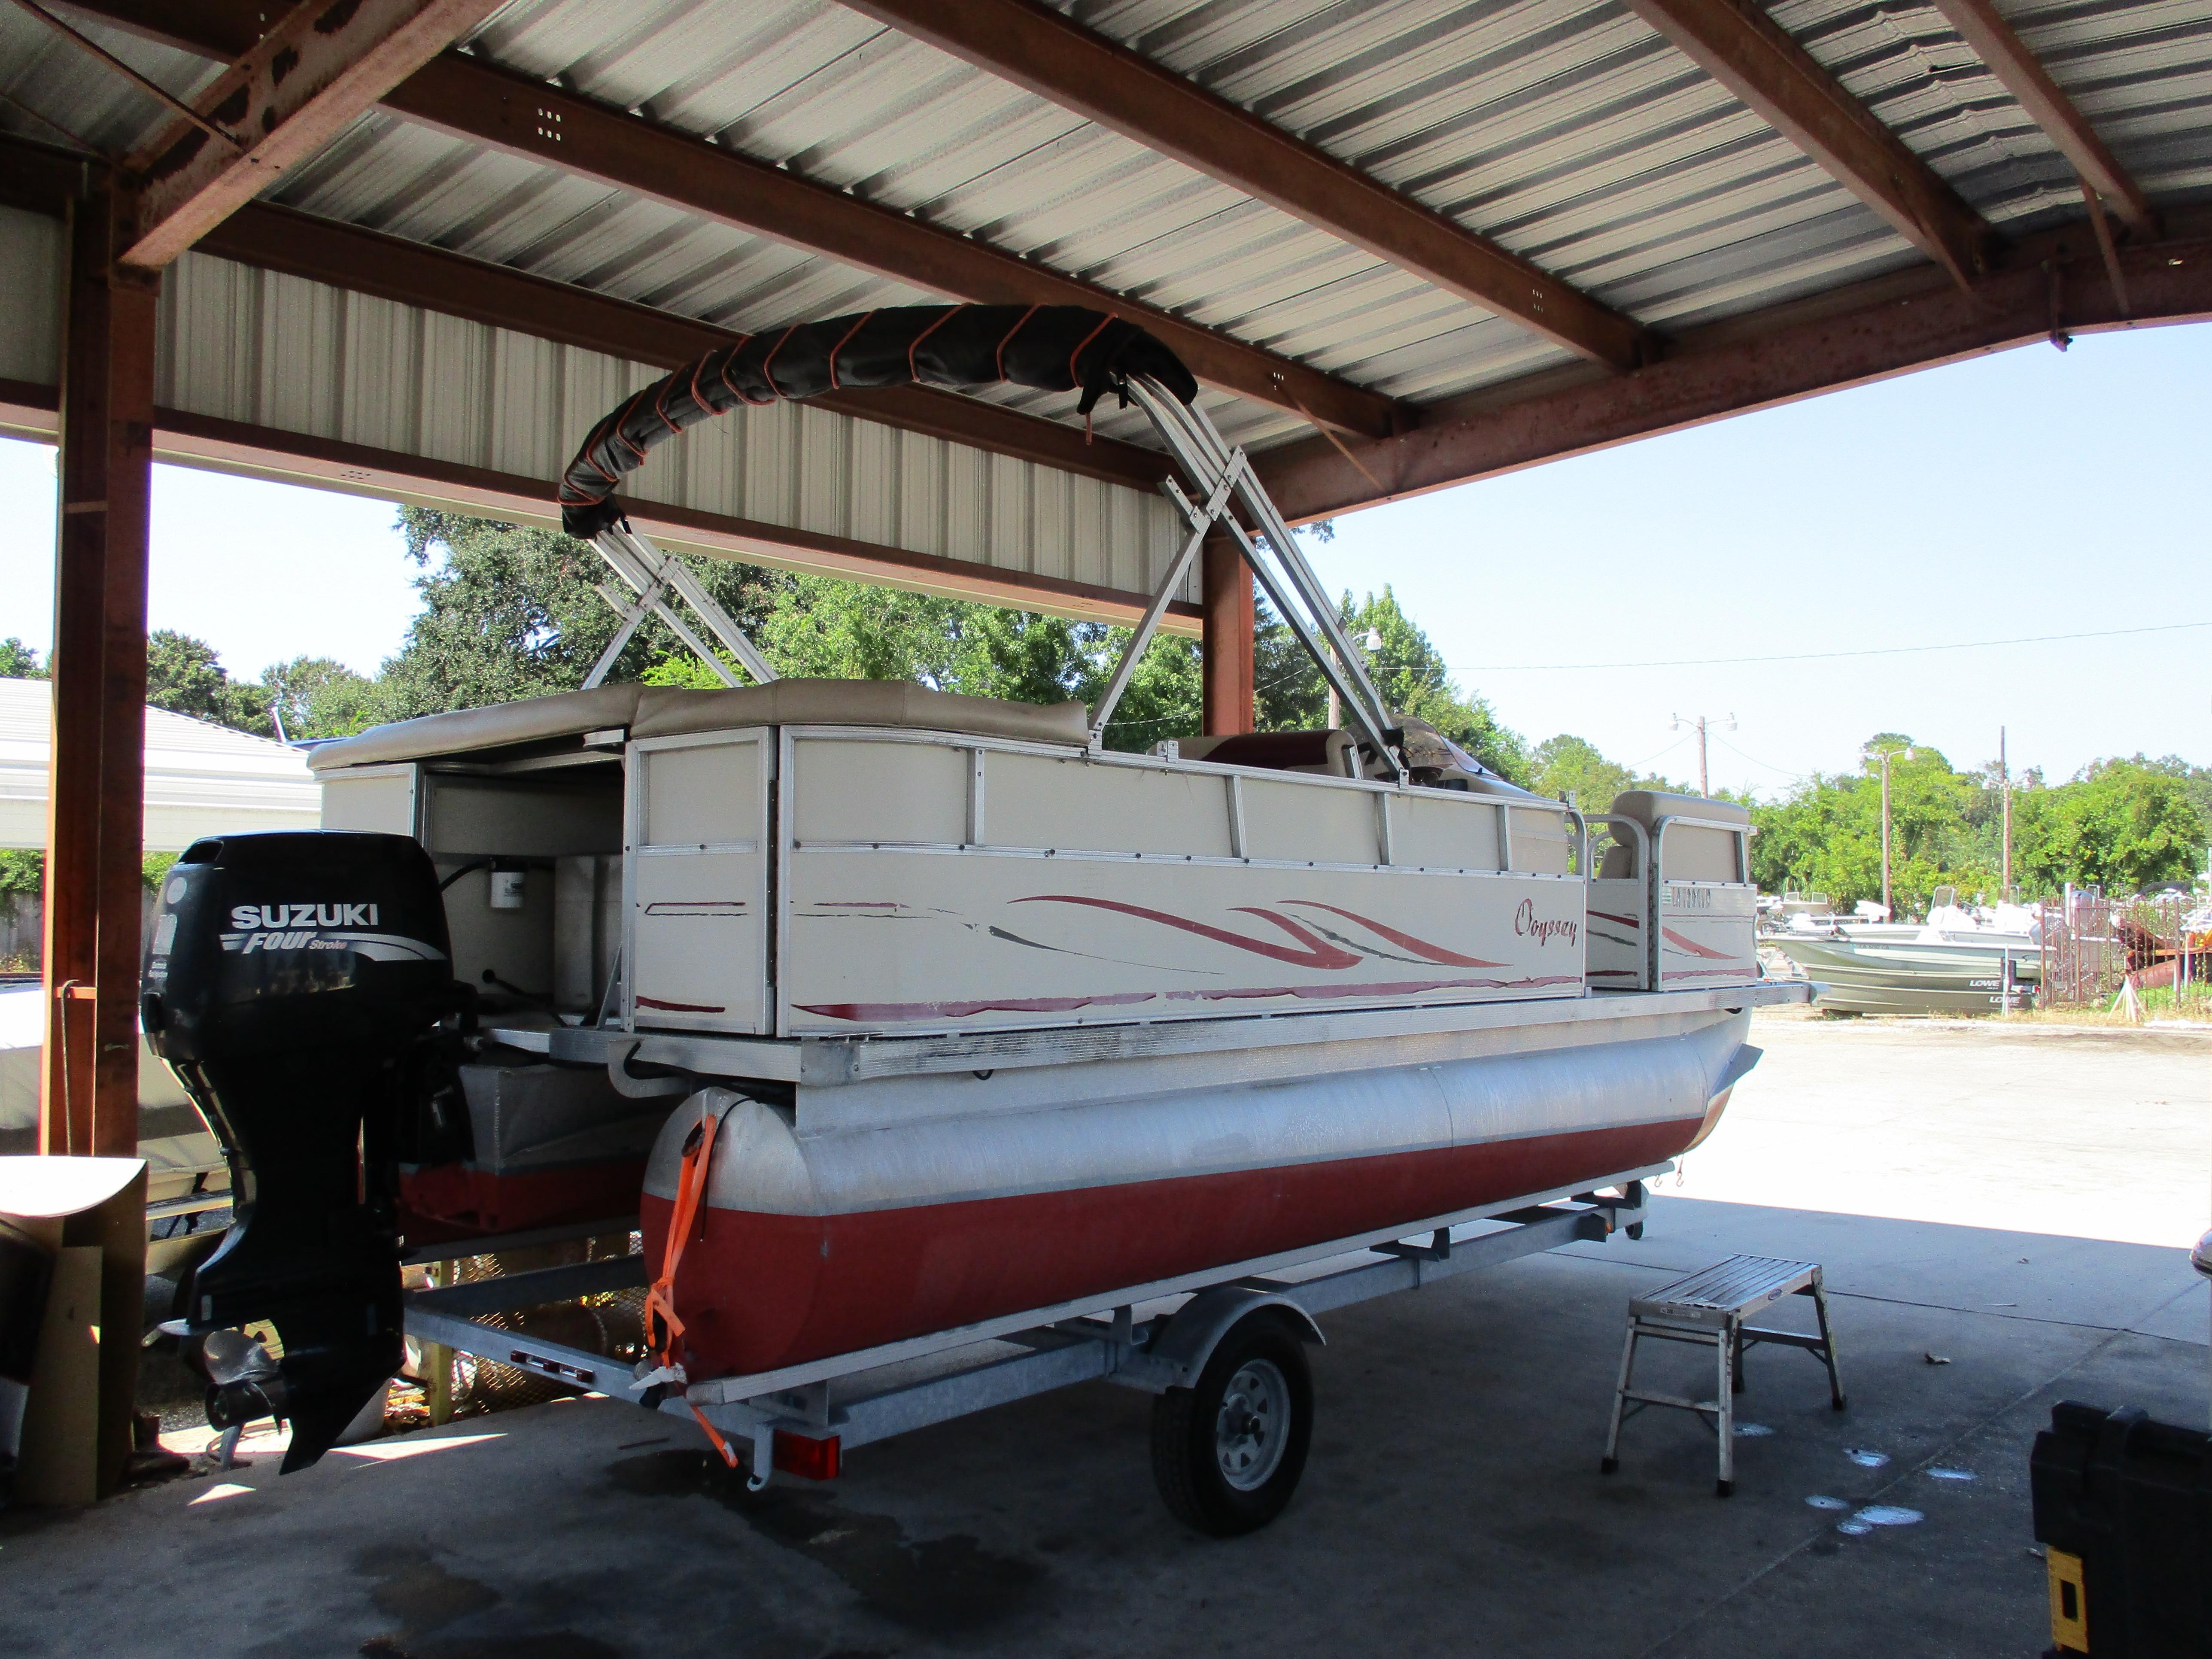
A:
x: 1715, y: 1308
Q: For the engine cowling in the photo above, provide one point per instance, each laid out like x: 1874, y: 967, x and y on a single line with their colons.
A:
x: 300, y: 984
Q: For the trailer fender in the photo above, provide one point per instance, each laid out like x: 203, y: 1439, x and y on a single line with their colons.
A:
x: 1177, y: 1357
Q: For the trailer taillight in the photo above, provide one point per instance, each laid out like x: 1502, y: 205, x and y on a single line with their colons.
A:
x: 816, y: 1459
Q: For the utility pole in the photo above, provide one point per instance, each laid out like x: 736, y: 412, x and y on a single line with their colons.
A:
x: 1676, y: 723
x: 1887, y: 756
x: 2004, y: 782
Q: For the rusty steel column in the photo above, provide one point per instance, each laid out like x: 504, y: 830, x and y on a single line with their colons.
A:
x: 1228, y: 625
x: 88, y: 1102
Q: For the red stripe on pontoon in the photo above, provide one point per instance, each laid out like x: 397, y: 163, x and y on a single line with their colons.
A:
x: 758, y: 1290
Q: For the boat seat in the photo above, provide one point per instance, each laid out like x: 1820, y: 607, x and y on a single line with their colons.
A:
x: 1690, y: 853
x: 1330, y: 753
x: 1617, y: 863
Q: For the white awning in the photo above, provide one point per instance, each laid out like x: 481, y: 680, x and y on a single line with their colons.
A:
x: 201, y: 779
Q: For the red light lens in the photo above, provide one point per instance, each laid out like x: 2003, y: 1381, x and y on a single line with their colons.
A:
x: 814, y: 1460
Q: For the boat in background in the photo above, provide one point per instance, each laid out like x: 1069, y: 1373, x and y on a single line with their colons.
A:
x: 1958, y: 962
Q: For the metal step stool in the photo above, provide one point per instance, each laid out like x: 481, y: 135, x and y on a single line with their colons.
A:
x: 1715, y: 1308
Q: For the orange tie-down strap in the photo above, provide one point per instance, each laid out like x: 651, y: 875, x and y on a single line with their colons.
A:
x: 662, y: 1326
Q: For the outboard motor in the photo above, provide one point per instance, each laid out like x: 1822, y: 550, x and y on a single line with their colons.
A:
x: 299, y: 986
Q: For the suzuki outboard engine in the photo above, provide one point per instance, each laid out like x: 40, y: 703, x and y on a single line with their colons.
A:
x: 299, y: 984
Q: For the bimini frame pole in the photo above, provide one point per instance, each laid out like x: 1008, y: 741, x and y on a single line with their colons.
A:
x: 1200, y: 520
x: 653, y: 574
x: 1211, y: 462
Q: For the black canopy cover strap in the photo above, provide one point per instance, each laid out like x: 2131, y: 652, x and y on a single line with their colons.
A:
x: 1050, y: 348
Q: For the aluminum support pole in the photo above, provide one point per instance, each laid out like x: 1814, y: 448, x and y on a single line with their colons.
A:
x: 667, y: 567
x: 1296, y: 594
x: 632, y: 612
x: 1200, y: 520
x: 654, y: 575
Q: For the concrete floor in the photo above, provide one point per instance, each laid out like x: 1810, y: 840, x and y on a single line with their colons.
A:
x: 1452, y: 1504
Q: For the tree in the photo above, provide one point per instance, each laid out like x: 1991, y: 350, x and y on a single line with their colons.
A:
x: 826, y: 628
x: 1827, y: 837
x: 1569, y: 766
x: 2121, y: 824
x: 320, y: 697
x: 186, y: 676
x: 513, y: 612
x: 1407, y: 668
x: 18, y: 661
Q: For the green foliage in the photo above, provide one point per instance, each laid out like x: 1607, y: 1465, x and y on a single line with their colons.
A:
x: 1407, y: 669
x: 825, y: 629
x: 18, y: 661
x: 822, y: 628
x: 23, y: 870
x: 512, y: 612
x: 184, y: 676
x: 1571, y: 767
x: 319, y: 698
x: 2124, y: 824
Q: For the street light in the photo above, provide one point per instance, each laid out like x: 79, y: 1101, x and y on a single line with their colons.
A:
x: 1887, y: 756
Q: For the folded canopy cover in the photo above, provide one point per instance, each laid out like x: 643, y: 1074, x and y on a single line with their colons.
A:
x: 1049, y: 348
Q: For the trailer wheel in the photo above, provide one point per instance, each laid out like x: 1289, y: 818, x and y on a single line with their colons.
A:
x: 1227, y: 1454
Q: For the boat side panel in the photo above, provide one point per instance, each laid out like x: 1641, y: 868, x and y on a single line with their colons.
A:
x: 1707, y: 933
x: 1617, y: 952
x: 696, y: 836
x: 987, y: 887
x: 891, y: 940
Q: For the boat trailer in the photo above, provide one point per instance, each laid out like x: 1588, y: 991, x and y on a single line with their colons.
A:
x: 802, y: 1419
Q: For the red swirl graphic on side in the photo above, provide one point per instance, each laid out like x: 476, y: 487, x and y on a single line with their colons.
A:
x: 1314, y: 951
x: 1421, y: 948
x: 1696, y: 949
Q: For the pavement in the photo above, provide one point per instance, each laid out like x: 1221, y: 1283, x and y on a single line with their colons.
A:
x: 2003, y: 1221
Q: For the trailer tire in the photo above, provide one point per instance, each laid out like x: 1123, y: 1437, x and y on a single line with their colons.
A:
x: 1227, y: 1454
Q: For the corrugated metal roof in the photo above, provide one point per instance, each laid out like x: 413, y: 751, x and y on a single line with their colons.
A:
x: 1566, y: 130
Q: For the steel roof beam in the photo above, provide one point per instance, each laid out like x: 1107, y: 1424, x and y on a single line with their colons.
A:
x: 626, y: 152
x: 1736, y: 43
x: 1890, y: 325
x: 320, y: 65
x: 2019, y: 72
x: 489, y: 105
x: 1056, y: 57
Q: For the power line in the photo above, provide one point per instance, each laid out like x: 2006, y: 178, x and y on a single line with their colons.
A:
x: 1795, y: 777
x: 1813, y: 656
x: 1638, y: 766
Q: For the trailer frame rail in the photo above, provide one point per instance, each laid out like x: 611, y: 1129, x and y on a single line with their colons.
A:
x: 802, y: 1418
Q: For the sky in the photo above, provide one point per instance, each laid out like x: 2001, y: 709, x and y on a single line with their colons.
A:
x: 2022, y: 495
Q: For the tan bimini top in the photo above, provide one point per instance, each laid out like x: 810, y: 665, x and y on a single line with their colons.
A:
x: 654, y: 711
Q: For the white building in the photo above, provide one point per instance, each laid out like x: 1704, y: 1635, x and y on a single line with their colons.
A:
x: 201, y: 779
